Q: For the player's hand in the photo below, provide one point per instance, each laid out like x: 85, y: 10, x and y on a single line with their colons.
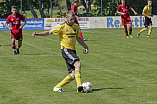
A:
x: 10, y: 28
x: 122, y: 13
x: 20, y: 27
x: 149, y: 16
x: 33, y: 34
x: 135, y: 13
x: 85, y: 51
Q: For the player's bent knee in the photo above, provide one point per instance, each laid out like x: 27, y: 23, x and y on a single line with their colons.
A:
x: 146, y: 28
x: 77, y: 65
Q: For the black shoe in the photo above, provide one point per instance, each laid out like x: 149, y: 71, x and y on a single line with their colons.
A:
x: 15, y: 53
x: 138, y: 35
x: 18, y: 52
x: 79, y: 88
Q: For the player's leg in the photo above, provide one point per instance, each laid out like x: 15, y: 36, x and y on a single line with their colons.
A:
x: 18, y: 46
x: 81, y: 36
x: 150, y: 28
x: 125, y: 26
x: 77, y: 65
x: 130, y: 30
x: 19, y: 38
x: 142, y: 30
x: 126, y: 31
x: 128, y: 20
x: 13, y: 38
x: 149, y: 32
x: 145, y: 21
x: 70, y: 58
x: 65, y: 81
x: 13, y: 45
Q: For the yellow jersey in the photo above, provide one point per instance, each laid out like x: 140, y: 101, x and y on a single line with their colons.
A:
x: 67, y: 34
x: 147, y: 10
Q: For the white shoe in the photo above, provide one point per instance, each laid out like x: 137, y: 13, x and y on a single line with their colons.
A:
x: 131, y: 36
x: 55, y: 89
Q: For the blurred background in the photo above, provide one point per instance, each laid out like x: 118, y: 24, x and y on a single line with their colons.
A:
x: 58, y: 8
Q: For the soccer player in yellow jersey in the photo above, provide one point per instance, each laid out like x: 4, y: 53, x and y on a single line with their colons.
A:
x: 147, y: 19
x: 68, y: 32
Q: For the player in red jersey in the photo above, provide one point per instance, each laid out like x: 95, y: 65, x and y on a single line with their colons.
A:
x: 16, y: 28
x: 123, y: 10
x: 74, y: 8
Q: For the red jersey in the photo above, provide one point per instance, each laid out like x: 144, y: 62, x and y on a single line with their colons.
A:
x: 124, y: 9
x: 15, y: 21
x: 74, y: 8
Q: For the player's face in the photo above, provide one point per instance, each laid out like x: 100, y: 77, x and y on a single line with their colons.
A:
x: 70, y: 19
x: 77, y: 2
x: 149, y: 3
x: 123, y: 1
x: 13, y: 10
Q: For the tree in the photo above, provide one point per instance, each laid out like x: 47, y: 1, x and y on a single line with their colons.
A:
x: 41, y: 9
x: 31, y: 9
x: 68, y: 4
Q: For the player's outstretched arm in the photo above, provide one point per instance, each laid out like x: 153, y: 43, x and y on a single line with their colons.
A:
x: 44, y: 33
x: 134, y: 11
x: 81, y: 42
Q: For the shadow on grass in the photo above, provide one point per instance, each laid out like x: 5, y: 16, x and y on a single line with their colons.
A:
x: 93, y: 90
x: 90, y: 40
x: 34, y: 54
x: 4, y: 45
x: 106, y: 89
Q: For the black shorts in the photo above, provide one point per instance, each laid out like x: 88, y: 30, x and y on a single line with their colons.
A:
x: 147, y: 22
x: 70, y: 58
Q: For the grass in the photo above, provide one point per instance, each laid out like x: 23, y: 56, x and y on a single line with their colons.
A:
x: 122, y: 71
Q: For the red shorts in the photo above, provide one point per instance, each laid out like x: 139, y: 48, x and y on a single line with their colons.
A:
x: 126, y: 20
x: 17, y: 34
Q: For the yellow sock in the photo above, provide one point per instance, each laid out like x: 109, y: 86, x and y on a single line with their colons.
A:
x: 78, y: 77
x: 150, y: 30
x: 142, y: 30
x: 65, y: 81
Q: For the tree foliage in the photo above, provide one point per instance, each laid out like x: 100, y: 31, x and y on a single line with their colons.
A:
x: 109, y: 7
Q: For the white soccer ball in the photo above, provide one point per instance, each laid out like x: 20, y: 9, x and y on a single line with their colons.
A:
x: 87, y: 87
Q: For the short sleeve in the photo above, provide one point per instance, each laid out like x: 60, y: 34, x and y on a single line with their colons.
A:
x: 73, y: 8
x: 118, y: 8
x: 145, y: 9
x: 128, y: 6
x: 8, y: 20
x: 56, y: 30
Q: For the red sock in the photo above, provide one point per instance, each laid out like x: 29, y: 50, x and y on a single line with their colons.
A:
x: 126, y: 32
x: 13, y: 47
x: 130, y: 31
x: 18, y: 46
x: 81, y: 35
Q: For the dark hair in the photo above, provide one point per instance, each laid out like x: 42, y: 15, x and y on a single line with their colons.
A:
x: 75, y: 1
x: 13, y: 7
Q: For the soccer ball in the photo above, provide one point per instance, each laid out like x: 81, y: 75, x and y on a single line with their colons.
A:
x: 87, y: 87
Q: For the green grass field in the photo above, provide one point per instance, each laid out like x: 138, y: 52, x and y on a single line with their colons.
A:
x: 122, y: 71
